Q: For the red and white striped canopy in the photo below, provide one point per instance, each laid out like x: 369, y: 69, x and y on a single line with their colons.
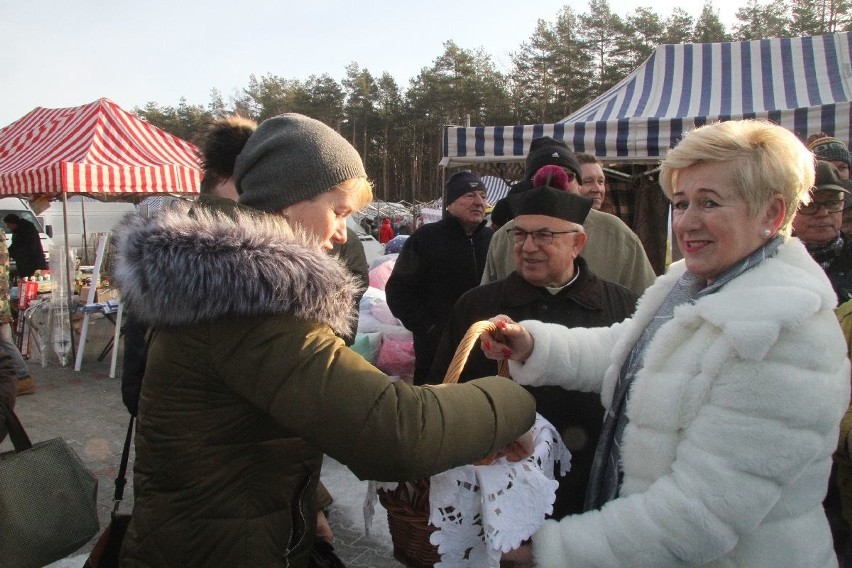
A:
x: 94, y: 148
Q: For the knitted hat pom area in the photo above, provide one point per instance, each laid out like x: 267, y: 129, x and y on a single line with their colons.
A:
x: 829, y: 148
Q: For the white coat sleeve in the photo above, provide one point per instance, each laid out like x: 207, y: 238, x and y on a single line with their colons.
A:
x: 574, y: 359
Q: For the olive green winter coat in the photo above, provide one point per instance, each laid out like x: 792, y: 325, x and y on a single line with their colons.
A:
x: 247, y: 386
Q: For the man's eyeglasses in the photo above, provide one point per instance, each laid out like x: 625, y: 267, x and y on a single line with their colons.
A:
x: 540, y: 238
x: 833, y: 206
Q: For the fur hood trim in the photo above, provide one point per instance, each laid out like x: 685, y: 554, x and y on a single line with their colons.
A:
x: 182, y: 269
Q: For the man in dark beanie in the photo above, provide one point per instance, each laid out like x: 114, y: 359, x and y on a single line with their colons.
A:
x: 547, y: 151
x: 439, y: 263
x: 543, y: 151
x: 553, y: 284
x: 614, y: 251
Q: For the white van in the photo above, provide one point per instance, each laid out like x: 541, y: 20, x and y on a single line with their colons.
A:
x: 84, y: 218
x: 21, y: 207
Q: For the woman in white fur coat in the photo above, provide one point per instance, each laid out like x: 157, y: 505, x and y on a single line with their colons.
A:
x: 724, y: 392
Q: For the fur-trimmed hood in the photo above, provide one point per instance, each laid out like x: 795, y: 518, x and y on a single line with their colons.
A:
x: 180, y: 269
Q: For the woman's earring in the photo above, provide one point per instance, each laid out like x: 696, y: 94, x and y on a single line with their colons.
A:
x: 767, y: 233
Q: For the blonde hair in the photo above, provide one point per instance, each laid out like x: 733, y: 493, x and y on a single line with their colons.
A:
x: 763, y: 159
x: 363, y: 187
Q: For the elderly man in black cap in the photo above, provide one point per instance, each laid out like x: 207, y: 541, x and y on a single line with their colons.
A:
x: 437, y: 264
x: 817, y: 224
x: 614, y: 252
x: 551, y: 283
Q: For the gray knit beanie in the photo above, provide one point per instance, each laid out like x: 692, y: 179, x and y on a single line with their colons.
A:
x: 291, y: 158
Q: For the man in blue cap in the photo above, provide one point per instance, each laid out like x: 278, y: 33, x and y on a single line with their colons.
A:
x: 438, y: 263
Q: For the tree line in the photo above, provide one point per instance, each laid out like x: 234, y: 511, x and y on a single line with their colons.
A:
x: 567, y: 61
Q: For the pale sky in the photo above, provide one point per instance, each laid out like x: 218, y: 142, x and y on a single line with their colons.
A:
x: 58, y: 53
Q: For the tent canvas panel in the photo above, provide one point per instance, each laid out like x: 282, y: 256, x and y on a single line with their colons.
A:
x: 803, y: 84
x: 97, y: 148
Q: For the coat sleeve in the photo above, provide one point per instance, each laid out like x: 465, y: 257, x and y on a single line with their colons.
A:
x: 498, y: 262
x: 638, y: 274
x: 762, y: 430
x: 321, y: 391
x: 404, y: 288
x: 844, y: 316
x: 574, y: 359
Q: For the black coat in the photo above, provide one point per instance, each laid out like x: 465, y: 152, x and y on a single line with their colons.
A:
x: 839, y: 272
x: 26, y: 249
x: 437, y: 264
x: 588, y: 302
x: 353, y: 256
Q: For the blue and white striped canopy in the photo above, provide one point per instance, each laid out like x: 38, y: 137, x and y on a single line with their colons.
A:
x: 803, y: 84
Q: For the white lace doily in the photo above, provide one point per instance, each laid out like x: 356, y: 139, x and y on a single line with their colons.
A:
x: 483, y: 511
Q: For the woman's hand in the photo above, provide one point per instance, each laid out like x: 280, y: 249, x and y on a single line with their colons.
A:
x: 518, y: 558
x: 520, y: 449
x: 510, y: 341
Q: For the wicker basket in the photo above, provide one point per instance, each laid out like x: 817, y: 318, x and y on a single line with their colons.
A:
x: 409, y: 525
x: 408, y: 504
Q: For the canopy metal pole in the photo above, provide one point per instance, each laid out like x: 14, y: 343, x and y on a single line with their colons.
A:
x: 68, y: 286
x: 85, y: 234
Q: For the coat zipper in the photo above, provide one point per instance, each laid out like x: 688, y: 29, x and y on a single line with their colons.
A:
x: 304, y: 523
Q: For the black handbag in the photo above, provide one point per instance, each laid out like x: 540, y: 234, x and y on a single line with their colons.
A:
x: 48, y: 500
x: 106, y: 550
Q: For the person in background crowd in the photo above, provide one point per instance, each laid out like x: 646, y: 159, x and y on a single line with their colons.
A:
x: 832, y: 150
x: 437, y: 264
x: 817, y: 224
x: 353, y: 255
x: 835, y: 152
x: 592, y: 180
x: 395, y: 244
x: 23, y: 383
x: 385, y: 231
x: 723, y: 392
x: 613, y: 253
x: 247, y: 385
x: 222, y: 141
x: 7, y: 390
x: 219, y: 147
x: 25, y: 249
x: 551, y: 283
x: 841, y: 505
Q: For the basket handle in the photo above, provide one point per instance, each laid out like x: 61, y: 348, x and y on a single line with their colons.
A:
x: 463, y: 351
